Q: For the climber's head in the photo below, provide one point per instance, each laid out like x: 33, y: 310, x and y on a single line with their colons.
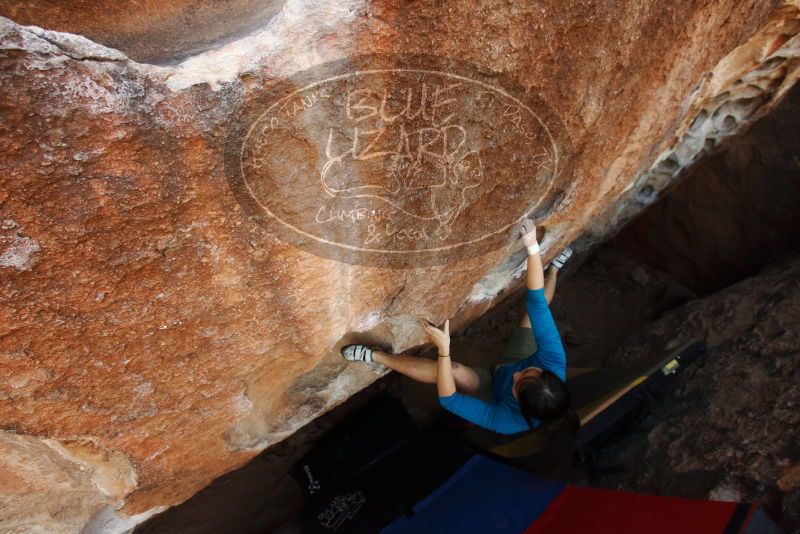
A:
x: 541, y: 394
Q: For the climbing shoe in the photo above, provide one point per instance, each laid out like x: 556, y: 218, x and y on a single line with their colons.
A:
x: 357, y: 353
x: 562, y: 258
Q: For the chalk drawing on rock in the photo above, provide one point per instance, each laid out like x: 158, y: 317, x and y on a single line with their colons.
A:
x: 442, y: 178
x: 399, y: 162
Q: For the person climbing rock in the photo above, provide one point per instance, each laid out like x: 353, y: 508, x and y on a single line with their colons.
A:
x: 525, y: 389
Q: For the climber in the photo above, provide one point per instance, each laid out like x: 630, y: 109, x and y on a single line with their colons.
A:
x: 526, y: 388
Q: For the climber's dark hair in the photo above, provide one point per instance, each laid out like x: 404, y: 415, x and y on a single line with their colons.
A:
x: 546, y: 398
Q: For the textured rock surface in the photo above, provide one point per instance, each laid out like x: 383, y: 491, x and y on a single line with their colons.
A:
x: 728, y: 431
x: 146, y: 312
x: 54, y: 487
x: 736, y: 210
x: 152, y: 32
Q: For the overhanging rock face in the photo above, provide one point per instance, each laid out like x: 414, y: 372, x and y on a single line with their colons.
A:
x: 184, y: 248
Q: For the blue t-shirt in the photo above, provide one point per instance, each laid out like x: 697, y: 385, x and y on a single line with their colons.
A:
x: 503, y: 414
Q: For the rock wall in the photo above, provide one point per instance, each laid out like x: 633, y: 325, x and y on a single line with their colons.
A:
x: 149, y: 31
x: 734, y: 213
x: 165, y: 317
x: 729, y: 429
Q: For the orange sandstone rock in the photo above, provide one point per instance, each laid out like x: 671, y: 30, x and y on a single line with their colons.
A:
x: 184, y: 247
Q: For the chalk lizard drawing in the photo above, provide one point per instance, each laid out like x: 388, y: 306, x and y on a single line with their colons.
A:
x: 422, y: 182
x: 424, y: 143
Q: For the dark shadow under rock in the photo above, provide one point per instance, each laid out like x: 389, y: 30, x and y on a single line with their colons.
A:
x: 730, y: 430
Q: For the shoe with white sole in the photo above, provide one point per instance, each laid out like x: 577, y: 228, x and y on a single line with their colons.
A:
x: 357, y: 353
x: 562, y: 258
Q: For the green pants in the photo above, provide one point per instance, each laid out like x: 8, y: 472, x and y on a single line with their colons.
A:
x: 520, y: 345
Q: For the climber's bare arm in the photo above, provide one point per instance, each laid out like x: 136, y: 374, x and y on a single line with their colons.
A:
x: 445, y: 384
x: 535, y: 276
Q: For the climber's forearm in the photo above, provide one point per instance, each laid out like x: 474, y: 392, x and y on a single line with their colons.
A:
x: 445, y: 384
x: 535, y: 277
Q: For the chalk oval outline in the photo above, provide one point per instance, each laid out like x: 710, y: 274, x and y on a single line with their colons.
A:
x: 319, y: 239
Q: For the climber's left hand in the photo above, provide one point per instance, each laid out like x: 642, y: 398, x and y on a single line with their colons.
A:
x: 440, y: 338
